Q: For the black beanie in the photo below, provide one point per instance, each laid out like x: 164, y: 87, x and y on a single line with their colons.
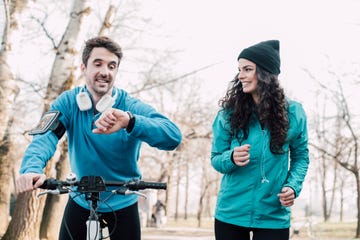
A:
x: 264, y: 54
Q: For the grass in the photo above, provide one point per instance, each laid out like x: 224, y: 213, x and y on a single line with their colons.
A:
x: 318, y: 231
x: 327, y: 231
x: 190, y: 222
x: 338, y: 230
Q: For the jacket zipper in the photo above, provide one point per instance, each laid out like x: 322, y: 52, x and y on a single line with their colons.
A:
x: 262, y: 160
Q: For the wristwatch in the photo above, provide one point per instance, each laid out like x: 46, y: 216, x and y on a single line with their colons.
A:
x: 131, y: 124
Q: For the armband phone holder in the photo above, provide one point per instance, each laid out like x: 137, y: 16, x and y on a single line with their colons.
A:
x: 49, y: 121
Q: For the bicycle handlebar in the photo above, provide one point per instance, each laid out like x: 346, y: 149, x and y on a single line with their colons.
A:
x: 91, y: 187
x: 52, y: 184
x: 91, y: 184
x: 138, y: 185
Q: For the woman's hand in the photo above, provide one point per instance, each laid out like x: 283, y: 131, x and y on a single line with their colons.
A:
x: 287, y: 196
x: 241, y: 155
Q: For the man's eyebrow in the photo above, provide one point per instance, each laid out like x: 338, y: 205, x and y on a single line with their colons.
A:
x: 113, y: 62
x: 101, y: 60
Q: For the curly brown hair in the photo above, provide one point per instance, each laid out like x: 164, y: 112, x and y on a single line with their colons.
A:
x: 271, y: 110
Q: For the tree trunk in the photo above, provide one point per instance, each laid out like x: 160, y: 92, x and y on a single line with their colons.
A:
x: 169, y: 178
x: 358, y: 204
x: 177, y: 196
x: 187, y: 188
x: 6, y: 165
x: 30, y: 211
x: 342, y: 200
x: 8, y: 93
x: 61, y: 79
x: 62, y: 72
x: 204, y: 187
x: 55, y: 204
x: 200, y: 210
x: 323, y: 188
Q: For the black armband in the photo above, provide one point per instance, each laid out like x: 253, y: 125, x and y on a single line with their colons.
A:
x: 49, y: 121
x: 131, y: 124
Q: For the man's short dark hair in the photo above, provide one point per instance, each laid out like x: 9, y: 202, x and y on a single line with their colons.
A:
x: 104, y: 42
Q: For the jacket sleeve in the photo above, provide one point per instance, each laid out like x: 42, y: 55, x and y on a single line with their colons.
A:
x: 154, y: 128
x: 38, y: 153
x: 43, y: 146
x: 299, y: 153
x: 221, y: 143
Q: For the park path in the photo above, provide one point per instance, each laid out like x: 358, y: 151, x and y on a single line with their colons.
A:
x: 193, y: 233
x: 177, y: 233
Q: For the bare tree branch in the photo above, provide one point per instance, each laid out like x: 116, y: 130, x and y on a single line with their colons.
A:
x: 174, y: 79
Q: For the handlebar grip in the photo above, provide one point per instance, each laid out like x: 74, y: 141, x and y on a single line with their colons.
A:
x: 144, y: 185
x: 48, y: 184
x: 52, y: 184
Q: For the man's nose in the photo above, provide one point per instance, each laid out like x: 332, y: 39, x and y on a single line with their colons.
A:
x: 104, y: 71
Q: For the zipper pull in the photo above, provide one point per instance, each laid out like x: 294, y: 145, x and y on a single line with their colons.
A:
x: 264, y: 180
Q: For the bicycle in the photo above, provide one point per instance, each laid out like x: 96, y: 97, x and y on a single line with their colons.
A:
x: 92, y: 186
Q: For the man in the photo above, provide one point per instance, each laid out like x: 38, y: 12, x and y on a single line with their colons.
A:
x: 105, y: 128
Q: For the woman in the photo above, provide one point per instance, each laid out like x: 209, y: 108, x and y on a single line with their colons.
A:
x: 260, y: 147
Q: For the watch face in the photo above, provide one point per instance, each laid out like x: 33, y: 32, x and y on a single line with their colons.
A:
x: 45, y: 123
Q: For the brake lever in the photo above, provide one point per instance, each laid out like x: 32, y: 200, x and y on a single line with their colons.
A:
x: 53, y: 192
x: 125, y: 191
x: 129, y: 192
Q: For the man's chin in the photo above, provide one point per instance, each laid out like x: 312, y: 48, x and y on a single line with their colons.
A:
x: 102, y: 90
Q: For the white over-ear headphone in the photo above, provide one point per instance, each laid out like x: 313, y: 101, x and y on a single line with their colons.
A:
x: 84, y: 102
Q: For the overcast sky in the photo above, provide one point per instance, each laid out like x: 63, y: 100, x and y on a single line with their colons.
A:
x: 316, y: 35
x: 312, y: 34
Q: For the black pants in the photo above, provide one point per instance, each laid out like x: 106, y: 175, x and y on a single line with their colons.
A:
x: 226, y: 231
x: 125, y: 226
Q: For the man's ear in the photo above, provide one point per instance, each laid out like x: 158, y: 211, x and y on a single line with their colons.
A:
x: 82, y: 67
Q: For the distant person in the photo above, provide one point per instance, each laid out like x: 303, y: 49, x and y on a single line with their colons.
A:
x: 159, y: 213
x: 105, y: 127
x: 260, y: 145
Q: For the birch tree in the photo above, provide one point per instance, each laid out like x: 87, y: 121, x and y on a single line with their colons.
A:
x: 8, y: 92
x: 28, y: 209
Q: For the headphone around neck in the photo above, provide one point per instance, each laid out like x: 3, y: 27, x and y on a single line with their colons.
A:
x: 84, y: 102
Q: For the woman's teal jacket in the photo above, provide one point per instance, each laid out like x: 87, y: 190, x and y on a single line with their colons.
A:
x: 248, y: 194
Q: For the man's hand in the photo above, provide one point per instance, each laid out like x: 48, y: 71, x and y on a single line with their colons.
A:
x: 111, y: 120
x: 287, y: 196
x: 29, y: 181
